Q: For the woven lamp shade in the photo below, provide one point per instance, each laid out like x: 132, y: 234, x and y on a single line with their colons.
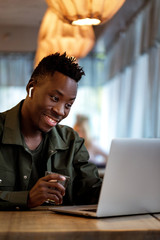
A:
x: 57, y: 36
x: 71, y: 10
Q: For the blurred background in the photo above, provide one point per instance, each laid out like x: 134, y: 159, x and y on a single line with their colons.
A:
x: 120, y: 93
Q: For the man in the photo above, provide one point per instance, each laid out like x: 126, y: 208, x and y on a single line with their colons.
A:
x: 32, y: 141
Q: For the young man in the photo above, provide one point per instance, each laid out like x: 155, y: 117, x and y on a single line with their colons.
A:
x: 32, y: 141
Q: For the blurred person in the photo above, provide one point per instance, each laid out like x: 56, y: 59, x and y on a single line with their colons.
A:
x: 97, y: 155
x: 32, y: 141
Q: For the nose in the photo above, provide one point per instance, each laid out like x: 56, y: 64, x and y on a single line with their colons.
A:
x: 59, y: 109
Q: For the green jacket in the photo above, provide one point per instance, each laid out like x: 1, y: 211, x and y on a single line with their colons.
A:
x: 66, y: 155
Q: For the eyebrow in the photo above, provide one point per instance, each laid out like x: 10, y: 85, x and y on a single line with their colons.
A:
x: 61, y: 94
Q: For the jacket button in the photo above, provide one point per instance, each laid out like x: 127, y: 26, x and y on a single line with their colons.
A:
x: 51, y: 151
x: 0, y: 180
x: 25, y: 177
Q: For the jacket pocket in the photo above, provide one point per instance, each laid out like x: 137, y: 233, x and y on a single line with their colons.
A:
x: 7, y: 180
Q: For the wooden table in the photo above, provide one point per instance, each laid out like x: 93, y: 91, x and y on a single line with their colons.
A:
x: 43, y: 224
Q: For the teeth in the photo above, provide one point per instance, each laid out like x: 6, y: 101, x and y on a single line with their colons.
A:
x: 50, y: 119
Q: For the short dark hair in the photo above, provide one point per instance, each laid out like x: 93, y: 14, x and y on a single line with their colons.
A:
x: 56, y: 62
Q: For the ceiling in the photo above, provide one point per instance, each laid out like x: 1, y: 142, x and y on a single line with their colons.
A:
x: 22, y: 12
x: 29, y: 13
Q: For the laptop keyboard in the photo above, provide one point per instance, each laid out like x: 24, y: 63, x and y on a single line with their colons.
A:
x: 89, y: 210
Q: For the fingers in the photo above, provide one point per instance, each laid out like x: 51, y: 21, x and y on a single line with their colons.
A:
x: 55, y: 196
x: 54, y: 176
x: 54, y: 180
x: 46, y: 188
x: 52, y: 189
x: 56, y: 186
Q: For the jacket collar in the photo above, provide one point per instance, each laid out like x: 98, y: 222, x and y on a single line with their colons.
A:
x: 55, y: 140
x: 12, y: 133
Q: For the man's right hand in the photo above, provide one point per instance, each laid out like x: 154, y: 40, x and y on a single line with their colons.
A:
x: 47, y: 188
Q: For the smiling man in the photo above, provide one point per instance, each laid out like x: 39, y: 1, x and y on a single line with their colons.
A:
x: 32, y: 142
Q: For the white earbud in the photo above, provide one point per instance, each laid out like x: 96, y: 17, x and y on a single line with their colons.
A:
x: 30, y: 91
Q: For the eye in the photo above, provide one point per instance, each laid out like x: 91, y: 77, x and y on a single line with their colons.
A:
x: 68, y: 105
x: 54, y: 98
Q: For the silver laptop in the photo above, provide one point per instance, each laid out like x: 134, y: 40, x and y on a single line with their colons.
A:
x: 131, y: 183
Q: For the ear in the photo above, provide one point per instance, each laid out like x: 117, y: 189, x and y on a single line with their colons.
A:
x: 30, y: 91
x: 31, y: 84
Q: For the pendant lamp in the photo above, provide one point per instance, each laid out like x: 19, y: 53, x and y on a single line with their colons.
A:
x: 85, y: 12
x: 57, y: 36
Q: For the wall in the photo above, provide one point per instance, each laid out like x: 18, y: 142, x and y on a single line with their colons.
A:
x: 18, y: 38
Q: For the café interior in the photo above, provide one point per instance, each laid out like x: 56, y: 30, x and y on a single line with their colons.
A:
x: 119, y: 94
x: 120, y: 57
